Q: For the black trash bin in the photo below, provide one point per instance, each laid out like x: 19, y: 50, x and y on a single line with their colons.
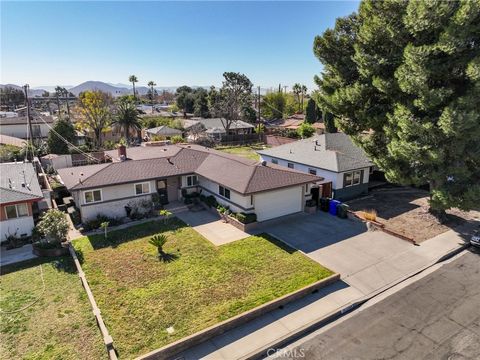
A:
x: 342, y: 211
x: 324, y: 204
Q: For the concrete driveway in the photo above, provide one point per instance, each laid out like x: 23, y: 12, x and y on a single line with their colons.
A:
x: 367, y: 260
x: 211, y: 226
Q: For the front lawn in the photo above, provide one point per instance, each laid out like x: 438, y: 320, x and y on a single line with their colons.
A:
x: 60, y: 325
x: 141, y: 296
x: 249, y: 152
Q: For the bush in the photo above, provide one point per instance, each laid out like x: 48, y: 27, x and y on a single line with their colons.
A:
x: 176, y: 139
x: 211, y: 201
x: 53, y: 225
x: 97, y: 223
x: 75, y: 216
x: 246, y: 218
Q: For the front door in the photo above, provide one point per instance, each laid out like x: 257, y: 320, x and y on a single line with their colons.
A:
x: 162, y: 191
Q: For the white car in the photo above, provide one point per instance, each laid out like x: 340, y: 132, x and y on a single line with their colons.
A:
x: 475, y: 240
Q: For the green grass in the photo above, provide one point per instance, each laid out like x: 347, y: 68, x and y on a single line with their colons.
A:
x: 60, y: 325
x: 141, y: 296
x: 245, y: 151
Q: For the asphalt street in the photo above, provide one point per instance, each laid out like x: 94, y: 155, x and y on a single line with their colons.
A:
x: 436, y: 317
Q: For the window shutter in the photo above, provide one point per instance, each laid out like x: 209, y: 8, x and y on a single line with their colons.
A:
x: 344, y: 179
x: 361, y: 176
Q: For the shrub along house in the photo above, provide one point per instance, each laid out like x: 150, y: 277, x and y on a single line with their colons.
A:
x: 19, y: 192
x: 171, y: 171
x: 332, y: 156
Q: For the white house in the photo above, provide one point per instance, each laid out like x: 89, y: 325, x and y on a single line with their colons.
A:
x: 334, y: 157
x: 244, y: 185
x: 19, y: 191
x: 16, y: 126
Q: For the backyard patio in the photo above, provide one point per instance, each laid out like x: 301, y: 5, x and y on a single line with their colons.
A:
x: 198, y: 285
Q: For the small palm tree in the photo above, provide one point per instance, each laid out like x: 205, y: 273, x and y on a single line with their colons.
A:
x: 152, y: 92
x: 133, y: 79
x: 304, y: 92
x: 158, y: 241
x: 297, y: 89
x: 127, y: 117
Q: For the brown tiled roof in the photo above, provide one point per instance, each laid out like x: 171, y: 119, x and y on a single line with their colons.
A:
x: 239, y: 174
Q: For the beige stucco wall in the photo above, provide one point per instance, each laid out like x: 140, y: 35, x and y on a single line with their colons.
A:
x: 235, y: 197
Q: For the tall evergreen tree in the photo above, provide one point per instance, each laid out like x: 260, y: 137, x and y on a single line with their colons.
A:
x: 55, y: 144
x: 409, y: 73
x: 311, y: 111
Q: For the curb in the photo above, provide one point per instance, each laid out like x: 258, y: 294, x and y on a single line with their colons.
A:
x: 336, y: 314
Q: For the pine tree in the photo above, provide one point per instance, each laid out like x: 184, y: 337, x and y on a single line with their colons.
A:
x: 409, y: 73
x: 311, y: 111
x: 57, y: 145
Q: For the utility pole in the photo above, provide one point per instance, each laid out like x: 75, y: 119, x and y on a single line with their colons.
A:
x: 279, y: 88
x: 258, y: 112
x: 29, y: 119
x: 285, y: 88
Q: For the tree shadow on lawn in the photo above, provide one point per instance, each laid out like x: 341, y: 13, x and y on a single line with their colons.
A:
x: 60, y: 263
x: 118, y: 237
x: 278, y: 243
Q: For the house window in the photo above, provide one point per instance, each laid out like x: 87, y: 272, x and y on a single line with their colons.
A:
x: 274, y: 161
x: 192, y: 180
x: 290, y: 165
x: 312, y: 171
x: 142, y: 188
x: 36, y: 131
x: 224, y: 192
x: 92, y: 196
x: 16, y: 211
x: 356, y: 177
x: 352, y: 178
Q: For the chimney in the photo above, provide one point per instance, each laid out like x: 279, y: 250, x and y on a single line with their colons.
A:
x: 122, y: 152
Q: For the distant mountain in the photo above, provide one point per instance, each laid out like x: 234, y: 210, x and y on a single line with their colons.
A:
x: 31, y: 92
x: 114, y: 89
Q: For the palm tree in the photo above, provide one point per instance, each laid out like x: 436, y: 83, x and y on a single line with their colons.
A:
x: 304, y: 92
x: 128, y: 117
x: 133, y: 79
x: 152, y: 84
x: 65, y: 94
x: 297, y: 89
x: 158, y: 241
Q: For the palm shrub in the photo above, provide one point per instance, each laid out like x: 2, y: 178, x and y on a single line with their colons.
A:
x: 158, y: 241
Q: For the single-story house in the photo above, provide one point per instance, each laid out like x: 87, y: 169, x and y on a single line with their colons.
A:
x: 10, y: 140
x: 244, y: 185
x: 215, y: 127
x: 293, y: 122
x: 332, y: 156
x: 16, y: 126
x: 19, y: 191
x: 163, y: 131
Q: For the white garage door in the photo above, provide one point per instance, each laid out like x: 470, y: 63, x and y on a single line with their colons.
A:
x: 277, y: 203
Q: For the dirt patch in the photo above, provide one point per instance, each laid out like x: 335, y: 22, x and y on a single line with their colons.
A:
x: 405, y: 210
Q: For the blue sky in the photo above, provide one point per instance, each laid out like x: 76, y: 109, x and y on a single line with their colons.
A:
x: 172, y: 43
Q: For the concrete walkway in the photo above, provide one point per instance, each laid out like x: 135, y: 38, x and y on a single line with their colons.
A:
x: 13, y: 256
x: 270, y: 330
x: 211, y: 227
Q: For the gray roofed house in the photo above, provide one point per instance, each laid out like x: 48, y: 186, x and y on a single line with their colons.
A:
x: 19, y: 190
x: 332, y: 156
x: 242, y: 184
x: 164, y: 131
x: 215, y: 127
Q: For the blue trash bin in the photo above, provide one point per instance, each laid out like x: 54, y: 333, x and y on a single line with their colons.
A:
x: 332, y: 208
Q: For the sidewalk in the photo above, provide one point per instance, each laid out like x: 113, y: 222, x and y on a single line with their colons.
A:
x: 255, y: 337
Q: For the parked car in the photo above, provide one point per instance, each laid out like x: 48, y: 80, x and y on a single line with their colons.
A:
x: 475, y: 240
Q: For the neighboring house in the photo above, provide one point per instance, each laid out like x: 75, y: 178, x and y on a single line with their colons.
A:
x: 163, y: 131
x: 16, y: 126
x: 19, y: 193
x: 10, y: 140
x: 244, y: 185
x: 331, y: 156
x: 293, y: 122
x: 215, y: 127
